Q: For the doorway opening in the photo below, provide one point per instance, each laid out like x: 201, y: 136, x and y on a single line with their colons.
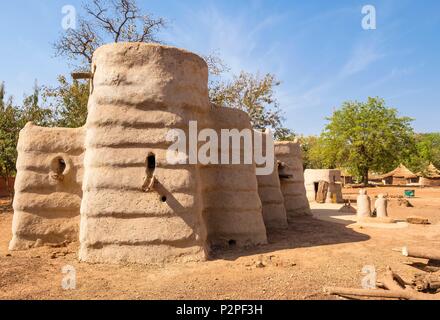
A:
x: 316, y: 184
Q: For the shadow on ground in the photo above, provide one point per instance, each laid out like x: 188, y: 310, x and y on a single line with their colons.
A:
x: 305, y: 232
x: 336, y: 216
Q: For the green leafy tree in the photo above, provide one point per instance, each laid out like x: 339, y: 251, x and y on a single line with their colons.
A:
x: 254, y: 95
x: 313, y: 153
x: 427, y: 151
x: 69, y: 100
x: 10, y: 126
x: 12, y: 119
x: 33, y: 111
x: 367, y: 136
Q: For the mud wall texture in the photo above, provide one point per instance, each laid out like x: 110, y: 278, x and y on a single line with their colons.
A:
x: 333, y: 177
x: 232, y: 206
x: 140, y: 92
x: 272, y: 199
x: 427, y: 182
x: 47, y: 186
x: 110, y: 184
x: 291, y: 173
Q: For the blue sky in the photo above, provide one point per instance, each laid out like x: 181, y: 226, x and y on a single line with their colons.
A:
x: 317, y: 48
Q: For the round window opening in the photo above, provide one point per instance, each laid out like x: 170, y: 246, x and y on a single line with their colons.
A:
x: 59, y: 166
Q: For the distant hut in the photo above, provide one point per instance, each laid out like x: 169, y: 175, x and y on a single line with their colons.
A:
x: 313, y: 178
x: 375, y: 178
x: 346, y: 177
x: 430, y: 177
x: 401, y: 176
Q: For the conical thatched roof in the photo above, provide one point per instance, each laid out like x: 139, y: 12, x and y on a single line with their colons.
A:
x: 400, y: 172
x: 430, y: 172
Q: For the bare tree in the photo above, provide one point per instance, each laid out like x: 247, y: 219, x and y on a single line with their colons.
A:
x: 107, y: 21
x: 79, y: 44
x: 216, y: 65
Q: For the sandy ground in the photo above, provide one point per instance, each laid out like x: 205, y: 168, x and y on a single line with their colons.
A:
x: 325, y: 250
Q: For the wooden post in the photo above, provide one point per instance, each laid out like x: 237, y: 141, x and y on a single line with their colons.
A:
x: 82, y: 75
x: 421, y: 253
x: 387, y: 294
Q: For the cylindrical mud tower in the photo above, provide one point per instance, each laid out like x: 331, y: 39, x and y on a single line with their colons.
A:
x: 272, y: 199
x: 138, y: 93
x: 232, y: 207
x: 47, y: 186
x: 292, y: 178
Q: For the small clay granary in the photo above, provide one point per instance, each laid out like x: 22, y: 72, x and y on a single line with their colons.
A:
x: 108, y: 184
x: 291, y: 174
x: 430, y: 177
x: 313, y: 177
x: 401, y: 176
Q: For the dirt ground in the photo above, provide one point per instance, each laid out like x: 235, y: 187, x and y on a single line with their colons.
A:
x: 296, y: 264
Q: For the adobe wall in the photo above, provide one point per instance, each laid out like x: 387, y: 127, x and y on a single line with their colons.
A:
x: 292, y: 188
x: 232, y: 206
x: 272, y: 199
x: 399, y: 181
x: 426, y: 182
x: 47, y: 192
x: 333, y: 177
x: 140, y: 92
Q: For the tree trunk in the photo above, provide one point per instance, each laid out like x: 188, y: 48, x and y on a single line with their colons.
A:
x: 365, y: 177
x: 421, y: 253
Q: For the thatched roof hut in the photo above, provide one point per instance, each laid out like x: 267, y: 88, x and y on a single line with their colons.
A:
x: 374, y: 177
x: 400, y: 176
x: 430, y: 176
x: 346, y: 177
